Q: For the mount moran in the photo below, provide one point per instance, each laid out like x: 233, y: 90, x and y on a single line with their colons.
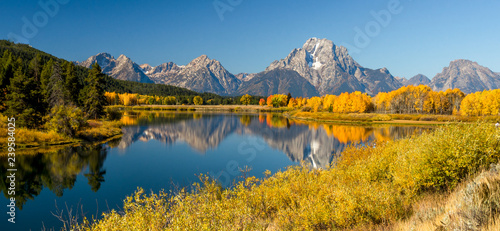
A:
x: 319, y: 67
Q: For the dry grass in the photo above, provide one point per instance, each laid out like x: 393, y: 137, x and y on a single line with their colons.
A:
x: 474, y: 205
x: 494, y: 225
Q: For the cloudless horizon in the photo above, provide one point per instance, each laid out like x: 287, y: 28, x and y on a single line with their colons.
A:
x: 407, y: 37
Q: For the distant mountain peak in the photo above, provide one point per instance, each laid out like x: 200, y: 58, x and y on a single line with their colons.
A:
x: 384, y: 70
x: 331, y: 70
x: 462, y: 62
x: 122, y: 68
x: 202, y: 58
x: 122, y: 56
x: 418, y: 79
x: 105, y: 54
x: 466, y: 75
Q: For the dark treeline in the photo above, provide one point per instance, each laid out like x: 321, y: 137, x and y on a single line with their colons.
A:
x: 36, y: 86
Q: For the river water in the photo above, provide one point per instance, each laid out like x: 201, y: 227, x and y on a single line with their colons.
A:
x: 169, y: 151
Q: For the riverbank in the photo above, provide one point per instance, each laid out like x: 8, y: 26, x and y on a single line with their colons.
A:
x: 369, y: 187
x: 297, y: 114
x: 97, y: 130
x: 376, y: 118
x: 205, y: 108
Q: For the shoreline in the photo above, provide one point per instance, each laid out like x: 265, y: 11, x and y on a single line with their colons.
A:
x: 99, y: 132
x: 366, y: 118
x: 103, y: 131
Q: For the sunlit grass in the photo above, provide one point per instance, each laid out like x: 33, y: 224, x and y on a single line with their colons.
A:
x: 96, y: 130
x: 376, y: 117
x: 99, y: 129
x: 30, y: 137
x: 328, y: 116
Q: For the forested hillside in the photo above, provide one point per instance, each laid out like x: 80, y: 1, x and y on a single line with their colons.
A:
x: 33, y: 82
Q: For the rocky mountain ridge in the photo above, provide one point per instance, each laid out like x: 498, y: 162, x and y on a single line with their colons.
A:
x: 417, y: 80
x: 466, y: 75
x: 122, y: 68
x: 319, y: 67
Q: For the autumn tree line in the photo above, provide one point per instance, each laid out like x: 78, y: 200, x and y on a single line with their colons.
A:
x: 131, y: 99
x: 405, y: 100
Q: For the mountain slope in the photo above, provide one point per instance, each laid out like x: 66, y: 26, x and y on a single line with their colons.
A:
x: 331, y: 70
x: 122, y: 68
x: 162, y: 73
x: 418, y: 80
x: 278, y: 81
x: 205, y: 75
x: 467, y: 75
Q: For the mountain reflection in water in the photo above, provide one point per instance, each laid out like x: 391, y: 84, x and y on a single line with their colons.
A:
x: 314, y: 143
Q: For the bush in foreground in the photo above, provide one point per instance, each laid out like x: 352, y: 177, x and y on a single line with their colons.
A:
x: 374, y: 185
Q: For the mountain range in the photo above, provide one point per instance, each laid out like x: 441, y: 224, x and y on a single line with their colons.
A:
x: 319, y: 67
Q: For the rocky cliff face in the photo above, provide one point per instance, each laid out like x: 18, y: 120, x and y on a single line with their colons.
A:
x: 245, y: 76
x: 162, y: 73
x: 467, y: 75
x: 122, y: 68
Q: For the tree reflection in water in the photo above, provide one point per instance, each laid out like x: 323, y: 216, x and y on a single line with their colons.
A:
x: 55, y: 169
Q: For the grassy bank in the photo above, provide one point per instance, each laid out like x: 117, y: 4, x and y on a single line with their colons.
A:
x: 204, y: 108
x: 387, y: 118
x: 96, y: 130
x: 369, y: 187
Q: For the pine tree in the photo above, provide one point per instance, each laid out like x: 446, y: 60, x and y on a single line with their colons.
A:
x: 94, y: 93
x: 47, y: 70
x: 57, y: 92
x: 20, y: 99
x: 35, y: 67
x: 6, y: 74
x: 72, y: 84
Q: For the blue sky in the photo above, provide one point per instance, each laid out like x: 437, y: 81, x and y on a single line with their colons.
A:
x: 420, y: 36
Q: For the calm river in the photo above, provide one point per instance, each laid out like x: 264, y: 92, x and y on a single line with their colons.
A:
x: 168, y: 151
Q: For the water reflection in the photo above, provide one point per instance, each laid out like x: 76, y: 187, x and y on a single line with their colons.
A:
x: 196, y: 143
x: 315, y: 143
x: 55, y: 169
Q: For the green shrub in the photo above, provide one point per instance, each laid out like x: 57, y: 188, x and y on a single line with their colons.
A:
x: 113, y: 113
x: 306, y: 109
x: 66, y: 120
